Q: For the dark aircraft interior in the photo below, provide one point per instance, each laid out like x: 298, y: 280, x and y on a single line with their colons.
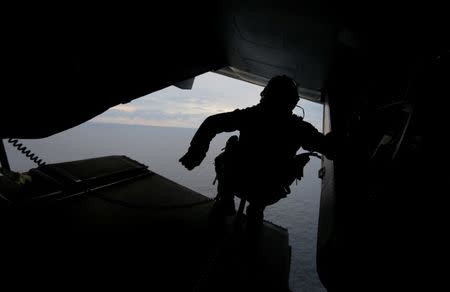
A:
x: 381, y: 70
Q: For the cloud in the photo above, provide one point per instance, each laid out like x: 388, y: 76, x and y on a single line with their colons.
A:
x: 211, y: 94
x: 165, y: 122
x: 124, y: 108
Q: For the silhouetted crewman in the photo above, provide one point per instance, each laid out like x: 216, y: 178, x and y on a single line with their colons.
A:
x: 261, y: 164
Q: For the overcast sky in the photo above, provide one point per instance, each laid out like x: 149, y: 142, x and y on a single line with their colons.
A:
x: 212, y: 93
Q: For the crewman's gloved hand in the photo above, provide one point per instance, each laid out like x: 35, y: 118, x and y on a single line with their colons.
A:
x: 192, y: 158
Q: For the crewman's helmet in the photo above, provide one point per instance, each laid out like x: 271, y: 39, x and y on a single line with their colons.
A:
x: 280, y: 91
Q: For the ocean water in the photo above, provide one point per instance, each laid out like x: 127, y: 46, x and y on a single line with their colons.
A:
x: 160, y: 148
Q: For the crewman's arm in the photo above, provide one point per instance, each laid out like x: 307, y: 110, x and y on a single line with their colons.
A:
x: 213, y: 125
x: 318, y: 142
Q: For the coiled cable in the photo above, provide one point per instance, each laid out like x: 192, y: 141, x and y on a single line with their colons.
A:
x: 33, y: 157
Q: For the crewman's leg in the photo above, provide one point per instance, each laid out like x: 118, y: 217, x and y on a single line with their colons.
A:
x: 224, y: 204
x: 255, y: 215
